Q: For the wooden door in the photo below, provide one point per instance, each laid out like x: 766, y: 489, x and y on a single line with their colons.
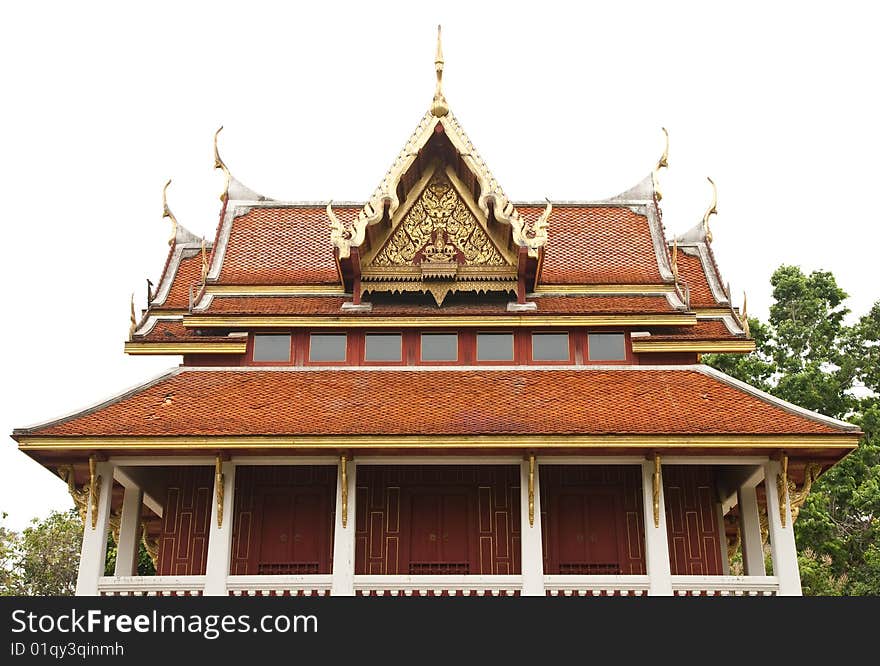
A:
x: 293, y: 530
x: 586, y: 531
x: 440, y: 526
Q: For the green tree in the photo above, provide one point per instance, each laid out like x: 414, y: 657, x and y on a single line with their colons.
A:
x: 43, y: 559
x: 808, y: 355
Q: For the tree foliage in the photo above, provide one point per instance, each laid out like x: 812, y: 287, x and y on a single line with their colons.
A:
x: 807, y: 354
x: 43, y: 559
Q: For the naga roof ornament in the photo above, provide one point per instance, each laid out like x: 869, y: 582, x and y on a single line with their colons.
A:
x: 662, y: 163
x: 220, y: 164
x: 710, y: 211
x: 166, y: 212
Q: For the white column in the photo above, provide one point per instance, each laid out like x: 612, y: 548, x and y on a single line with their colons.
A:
x: 532, y: 553
x: 342, y: 584
x: 94, y: 543
x: 782, y: 545
x: 220, y: 536
x: 750, y: 532
x: 129, y: 530
x: 722, y: 536
x: 656, y: 537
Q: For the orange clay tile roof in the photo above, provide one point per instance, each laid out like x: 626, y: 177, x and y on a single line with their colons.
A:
x: 597, y: 245
x: 690, y: 269
x: 288, y: 245
x: 189, y: 272
x: 167, y: 330
x: 390, y: 401
x: 711, y: 329
x: 331, y: 305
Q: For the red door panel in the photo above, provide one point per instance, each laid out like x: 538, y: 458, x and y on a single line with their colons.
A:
x: 292, y: 533
x: 440, y: 530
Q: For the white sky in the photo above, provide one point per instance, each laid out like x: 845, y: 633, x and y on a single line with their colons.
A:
x: 103, y: 102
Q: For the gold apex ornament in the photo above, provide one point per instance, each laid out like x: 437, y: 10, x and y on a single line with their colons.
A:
x: 710, y: 211
x: 166, y: 212
x: 662, y: 163
x: 439, y: 107
x: 219, y: 164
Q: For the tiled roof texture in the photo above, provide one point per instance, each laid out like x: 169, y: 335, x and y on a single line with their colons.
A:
x: 690, y: 270
x: 711, y: 329
x: 464, y: 401
x: 189, y: 272
x: 288, y: 245
x: 597, y: 245
x: 174, y: 331
x: 331, y: 305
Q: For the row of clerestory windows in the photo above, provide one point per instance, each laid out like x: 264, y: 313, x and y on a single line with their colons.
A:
x: 439, y: 347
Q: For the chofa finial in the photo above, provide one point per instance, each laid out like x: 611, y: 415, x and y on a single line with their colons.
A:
x: 744, y: 315
x: 204, y: 262
x: 662, y: 163
x: 711, y: 210
x: 219, y: 164
x: 166, y: 212
x: 439, y: 107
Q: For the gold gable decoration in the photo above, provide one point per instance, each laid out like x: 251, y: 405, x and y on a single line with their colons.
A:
x: 439, y: 247
x: 438, y: 220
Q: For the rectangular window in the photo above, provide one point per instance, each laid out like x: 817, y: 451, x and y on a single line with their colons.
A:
x: 272, y: 348
x: 607, y: 346
x: 550, y: 347
x: 383, y: 347
x: 439, y: 346
x: 327, y: 347
x: 494, y: 346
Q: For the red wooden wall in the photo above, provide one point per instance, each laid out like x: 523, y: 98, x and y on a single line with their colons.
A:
x: 485, y: 497
x: 610, y: 515
x: 248, y: 531
x: 183, y: 545
x: 691, y: 520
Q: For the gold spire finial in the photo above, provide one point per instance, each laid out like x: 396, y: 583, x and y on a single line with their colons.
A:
x: 744, y: 316
x: 166, y: 212
x: 219, y: 164
x: 132, y: 327
x: 439, y: 108
x: 711, y: 210
x: 662, y: 163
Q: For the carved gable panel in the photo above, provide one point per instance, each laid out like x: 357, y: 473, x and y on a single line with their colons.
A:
x: 439, y: 229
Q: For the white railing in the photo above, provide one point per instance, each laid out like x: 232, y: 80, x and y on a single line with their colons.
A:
x: 711, y: 586
x: 151, y: 586
x: 279, y: 586
x: 437, y: 585
x: 596, y: 586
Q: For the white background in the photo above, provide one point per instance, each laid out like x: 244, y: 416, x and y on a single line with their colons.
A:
x: 103, y: 102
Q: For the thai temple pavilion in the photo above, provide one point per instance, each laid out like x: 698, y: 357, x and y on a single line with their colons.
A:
x: 441, y: 391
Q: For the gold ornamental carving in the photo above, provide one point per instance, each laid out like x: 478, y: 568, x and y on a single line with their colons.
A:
x: 439, y: 217
x: 797, y: 496
x: 782, y: 489
x: 531, y: 491
x: 80, y: 496
x: 151, y: 545
x: 94, y: 490
x: 656, y: 489
x: 343, y: 479
x: 218, y: 484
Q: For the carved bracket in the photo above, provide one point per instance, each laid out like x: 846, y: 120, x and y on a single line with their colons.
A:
x: 782, y: 489
x: 797, y: 497
x: 343, y: 478
x: 656, y: 489
x: 531, y: 491
x: 94, y: 491
x: 218, y: 484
